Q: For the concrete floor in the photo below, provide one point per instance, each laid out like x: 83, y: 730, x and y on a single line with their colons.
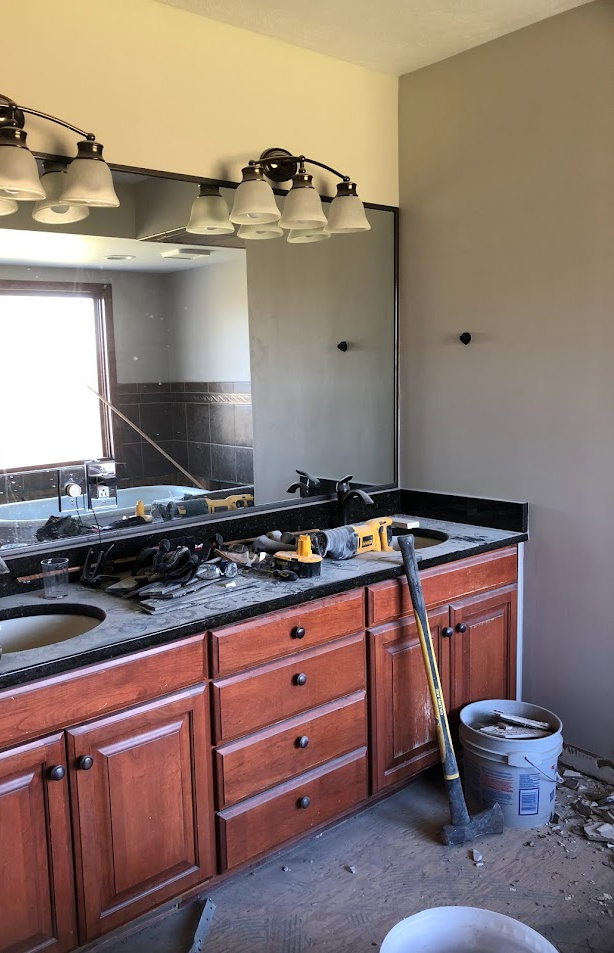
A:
x: 345, y: 888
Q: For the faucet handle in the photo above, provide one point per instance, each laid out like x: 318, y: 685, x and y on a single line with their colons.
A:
x: 343, y: 485
x: 311, y: 480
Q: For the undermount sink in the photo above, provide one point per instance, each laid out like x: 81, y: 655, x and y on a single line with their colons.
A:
x: 423, y: 538
x: 31, y: 627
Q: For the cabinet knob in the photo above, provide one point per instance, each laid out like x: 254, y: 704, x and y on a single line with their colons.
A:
x: 304, y: 802
x: 298, y: 632
x: 447, y: 632
x: 302, y: 742
x: 300, y: 679
x: 461, y: 627
x: 57, y: 772
x: 85, y: 763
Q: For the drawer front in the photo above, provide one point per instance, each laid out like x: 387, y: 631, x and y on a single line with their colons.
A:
x: 252, y: 700
x: 238, y: 647
x: 267, y: 821
x: 390, y: 600
x: 246, y: 767
x: 55, y: 702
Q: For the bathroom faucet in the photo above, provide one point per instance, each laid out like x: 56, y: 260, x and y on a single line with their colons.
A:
x: 345, y: 494
x: 306, y: 485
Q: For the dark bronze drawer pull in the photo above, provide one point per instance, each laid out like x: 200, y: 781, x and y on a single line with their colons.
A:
x: 447, y: 633
x: 298, y: 632
x: 304, y: 801
x: 85, y: 763
x: 302, y: 742
x: 57, y: 772
x: 461, y: 627
x: 300, y: 679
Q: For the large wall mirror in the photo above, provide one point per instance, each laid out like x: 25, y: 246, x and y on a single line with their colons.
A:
x: 150, y: 374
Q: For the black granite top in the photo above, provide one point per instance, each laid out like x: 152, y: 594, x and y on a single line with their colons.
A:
x: 126, y: 628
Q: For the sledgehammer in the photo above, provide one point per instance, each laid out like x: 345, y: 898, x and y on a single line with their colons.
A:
x: 463, y: 827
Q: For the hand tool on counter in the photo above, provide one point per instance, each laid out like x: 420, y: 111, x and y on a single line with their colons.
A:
x: 375, y: 535
x: 305, y: 563
x: 257, y: 563
x: 463, y: 827
x: 97, y: 569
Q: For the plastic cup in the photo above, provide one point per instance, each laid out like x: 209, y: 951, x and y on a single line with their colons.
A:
x: 55, y: 577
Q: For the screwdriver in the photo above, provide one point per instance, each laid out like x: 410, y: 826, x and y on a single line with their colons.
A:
x: 286, y: 574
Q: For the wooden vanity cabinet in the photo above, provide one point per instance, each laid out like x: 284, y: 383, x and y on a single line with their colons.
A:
x: 37, y: 903
x: 290, y: 733
x: 471, y: 607
x: 136, y: 828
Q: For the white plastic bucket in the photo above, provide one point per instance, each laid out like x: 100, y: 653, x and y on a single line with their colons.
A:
x: 520, y: 775
x: 463, y: 930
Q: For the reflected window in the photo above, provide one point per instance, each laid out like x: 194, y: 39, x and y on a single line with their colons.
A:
x: 53, y: 356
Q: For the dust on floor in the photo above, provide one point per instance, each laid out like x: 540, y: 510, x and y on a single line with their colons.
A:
x: 343, y: 889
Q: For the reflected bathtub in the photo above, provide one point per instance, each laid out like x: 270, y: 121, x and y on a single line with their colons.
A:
x: 19, y: 521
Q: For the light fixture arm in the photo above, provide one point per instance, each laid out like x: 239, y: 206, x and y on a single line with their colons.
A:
x: 280, y: 166
x: 13, y: 115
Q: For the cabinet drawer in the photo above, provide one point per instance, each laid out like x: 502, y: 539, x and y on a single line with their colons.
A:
x: 297, y: 745
x: 238, y: 647
x: 60, y: 700
x: 267, y: 821
x: 249, y: 701
x: 390, y: 600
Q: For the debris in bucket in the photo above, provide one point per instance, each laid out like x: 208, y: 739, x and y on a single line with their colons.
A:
x: 516, y: 727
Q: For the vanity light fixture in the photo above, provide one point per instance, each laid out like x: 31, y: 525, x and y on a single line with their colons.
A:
x: 255, y: 208
x: 88, y: 181
x: 8, y: 206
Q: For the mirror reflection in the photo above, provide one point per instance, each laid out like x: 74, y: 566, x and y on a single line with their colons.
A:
x: 151, y: 374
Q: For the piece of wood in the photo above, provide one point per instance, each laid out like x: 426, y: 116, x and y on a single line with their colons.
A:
x: 266, y: 821
x: 61, y: 700
x: 403, y: 735
x: 37, y: 895
x: 274, y: 635
x: 143, y: 812
x: 390, y: 600
x: 262, y: 760
x: 251, y: 700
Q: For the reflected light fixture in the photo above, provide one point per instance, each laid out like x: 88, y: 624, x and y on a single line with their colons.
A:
x: 52, y: 210
x: 88, y: 181
x: 8, y: 206
x: 255, y: 208
x: 210, y: 214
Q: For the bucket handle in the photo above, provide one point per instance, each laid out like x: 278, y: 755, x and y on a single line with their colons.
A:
x: 518, y: 761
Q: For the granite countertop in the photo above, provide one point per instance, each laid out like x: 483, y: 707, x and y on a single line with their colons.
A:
x: 127, y: 628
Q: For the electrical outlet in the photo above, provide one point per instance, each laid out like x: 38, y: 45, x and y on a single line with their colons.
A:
x: 102, y: 492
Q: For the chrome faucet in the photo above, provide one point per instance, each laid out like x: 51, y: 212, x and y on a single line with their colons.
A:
x: 345, y: 493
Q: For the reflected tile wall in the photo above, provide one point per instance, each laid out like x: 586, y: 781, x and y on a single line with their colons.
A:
x: 205, y: 426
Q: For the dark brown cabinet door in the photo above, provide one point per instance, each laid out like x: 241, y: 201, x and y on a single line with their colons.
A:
x: 142, y: 811
x: 483, y: 648
x: 403, y: 736
x: 37, y: 907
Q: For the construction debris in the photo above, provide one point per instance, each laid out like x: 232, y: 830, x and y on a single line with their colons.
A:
x: 599, y: 832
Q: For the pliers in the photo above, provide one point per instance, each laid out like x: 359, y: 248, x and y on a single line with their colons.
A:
x: 96, y: 569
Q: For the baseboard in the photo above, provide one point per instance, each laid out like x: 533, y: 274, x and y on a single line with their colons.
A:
x: 588, y: 763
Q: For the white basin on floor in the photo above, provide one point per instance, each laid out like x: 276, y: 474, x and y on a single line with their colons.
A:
x: 31, y: 627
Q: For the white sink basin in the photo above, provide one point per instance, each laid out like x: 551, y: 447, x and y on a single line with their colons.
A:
x: 423, y: 538
x: 31, y: 627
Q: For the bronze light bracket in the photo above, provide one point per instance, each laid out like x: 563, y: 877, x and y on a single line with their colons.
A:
x: 12, y: 116
x: 279, y: 165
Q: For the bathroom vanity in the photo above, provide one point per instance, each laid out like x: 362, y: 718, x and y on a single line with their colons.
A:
x: 147, y: 758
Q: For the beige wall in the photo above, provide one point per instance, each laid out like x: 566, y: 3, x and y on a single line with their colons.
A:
x: 168, y: 90
x: 508, y: 232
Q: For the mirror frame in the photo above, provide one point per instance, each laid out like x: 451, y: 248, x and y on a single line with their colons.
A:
x: 191, y: 522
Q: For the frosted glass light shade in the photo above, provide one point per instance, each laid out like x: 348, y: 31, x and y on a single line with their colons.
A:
x: 300, y: 236
x: 50, y: 210
x: 89, y: 180
x: 302, y: 205
x: 347, y: 213
x: 210, y: 214
x: 260, y: 232
x: 18, y: 170
x: 8, y: 206
x: 254, y: 200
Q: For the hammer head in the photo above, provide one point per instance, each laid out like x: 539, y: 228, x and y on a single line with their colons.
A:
x: 488, y: 822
